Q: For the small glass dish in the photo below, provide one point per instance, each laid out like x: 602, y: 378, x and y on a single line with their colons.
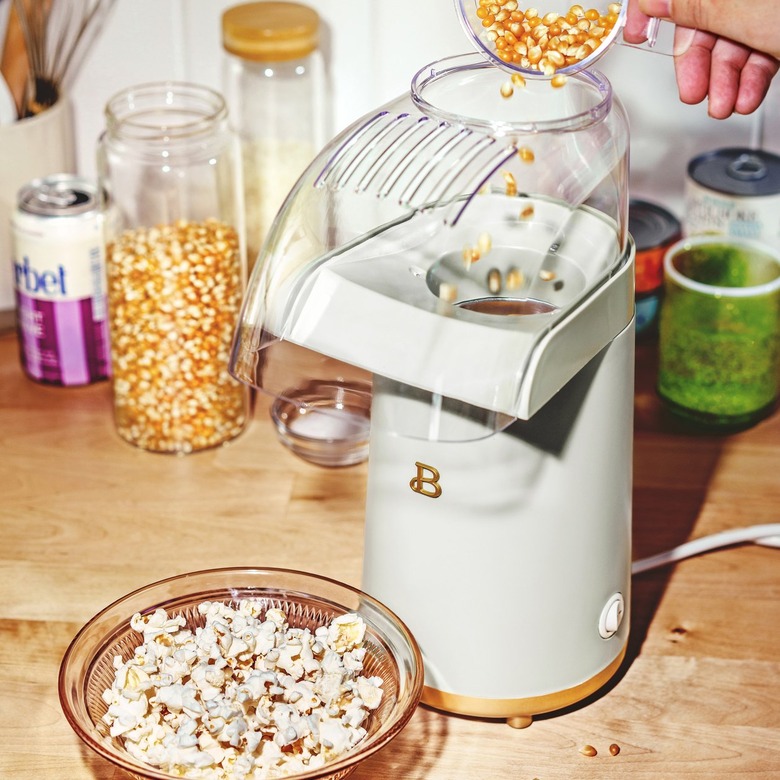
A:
x: 325, y: 422
x: 309, y: 601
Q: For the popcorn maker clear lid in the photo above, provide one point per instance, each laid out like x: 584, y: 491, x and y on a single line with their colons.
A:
x: 468, y: 246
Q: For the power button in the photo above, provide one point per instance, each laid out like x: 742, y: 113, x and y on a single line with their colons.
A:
x: 611, y: 616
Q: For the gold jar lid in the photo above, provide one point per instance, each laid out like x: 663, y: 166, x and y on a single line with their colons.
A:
x: 268, y: 31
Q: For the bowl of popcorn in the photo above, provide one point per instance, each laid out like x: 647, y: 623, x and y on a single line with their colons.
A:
x: 241, y: 673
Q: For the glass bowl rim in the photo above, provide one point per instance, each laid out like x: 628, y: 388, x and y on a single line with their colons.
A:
x: 294, y: 399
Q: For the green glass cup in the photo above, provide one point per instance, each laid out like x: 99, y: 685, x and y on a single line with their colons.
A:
x: 719, y: 331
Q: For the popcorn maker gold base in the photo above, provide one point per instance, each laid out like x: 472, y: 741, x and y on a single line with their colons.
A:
x: 519, y: 713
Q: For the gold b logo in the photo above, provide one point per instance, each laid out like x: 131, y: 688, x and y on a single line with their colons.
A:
x: 427, y: 481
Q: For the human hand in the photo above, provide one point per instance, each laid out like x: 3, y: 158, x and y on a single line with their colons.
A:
x: 725, y: 50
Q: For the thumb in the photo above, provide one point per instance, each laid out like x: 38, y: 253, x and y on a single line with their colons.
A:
x: 754, y: 23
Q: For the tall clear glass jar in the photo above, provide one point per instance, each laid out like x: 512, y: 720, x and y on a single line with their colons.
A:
x: 275, y: 85
x: 169, y: 169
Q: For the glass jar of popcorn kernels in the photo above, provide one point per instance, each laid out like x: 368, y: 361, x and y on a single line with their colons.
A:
x: 168, y: 168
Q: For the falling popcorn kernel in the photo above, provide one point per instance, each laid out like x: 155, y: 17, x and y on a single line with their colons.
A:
x: 525, y: 154
x: 448, y: 292
x: 514, y: 279
x: 484, y: 243
x: 494, y: 281
x: 511, y: 184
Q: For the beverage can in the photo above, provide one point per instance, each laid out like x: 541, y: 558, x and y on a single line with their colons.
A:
x: 734, y: 192
x: 654, y: 229
x: 60, y: 281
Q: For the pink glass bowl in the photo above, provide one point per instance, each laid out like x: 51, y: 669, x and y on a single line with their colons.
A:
x: 309, y: 601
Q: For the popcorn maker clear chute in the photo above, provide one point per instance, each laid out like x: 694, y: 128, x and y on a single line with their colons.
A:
x: 379, y: 254
x: 468, y: 253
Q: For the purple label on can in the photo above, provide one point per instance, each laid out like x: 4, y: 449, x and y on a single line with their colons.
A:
x: 59, y: 279
x: 61, y: 341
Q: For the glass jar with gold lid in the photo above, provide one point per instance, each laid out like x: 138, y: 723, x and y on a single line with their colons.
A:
x: 276, y: 90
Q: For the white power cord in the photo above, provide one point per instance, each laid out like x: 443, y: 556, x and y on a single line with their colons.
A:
x: 766, y: 535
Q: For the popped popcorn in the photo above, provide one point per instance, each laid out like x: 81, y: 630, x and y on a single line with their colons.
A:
x: 243, y: 696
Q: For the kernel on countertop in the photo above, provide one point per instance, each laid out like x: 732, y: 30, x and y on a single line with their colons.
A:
x: 544, y: 43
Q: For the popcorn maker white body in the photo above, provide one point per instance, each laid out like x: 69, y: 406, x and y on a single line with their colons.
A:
x: 509, y: 556
x: 498, y: 517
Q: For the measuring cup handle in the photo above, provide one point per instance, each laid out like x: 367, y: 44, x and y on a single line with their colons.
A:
x: 652, y: 31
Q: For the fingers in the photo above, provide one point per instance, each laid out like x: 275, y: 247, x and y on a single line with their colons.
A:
x: 731, y: 76
x: 728, y: 61
x: 754, y: 82
x: 635, y: 29
x: 693, y: 57
x: 751, y: 23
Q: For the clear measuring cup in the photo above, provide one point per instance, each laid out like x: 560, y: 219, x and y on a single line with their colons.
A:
x: 552, y: 37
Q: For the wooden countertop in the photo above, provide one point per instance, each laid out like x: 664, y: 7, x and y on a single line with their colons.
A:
x: 87, y: 518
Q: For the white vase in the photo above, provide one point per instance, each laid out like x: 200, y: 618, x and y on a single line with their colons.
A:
x: 29, y: 149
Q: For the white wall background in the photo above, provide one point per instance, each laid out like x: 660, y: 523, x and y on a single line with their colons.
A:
x: 373, y: 49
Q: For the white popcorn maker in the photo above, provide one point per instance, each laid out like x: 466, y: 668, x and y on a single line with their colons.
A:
x: 469, y: 253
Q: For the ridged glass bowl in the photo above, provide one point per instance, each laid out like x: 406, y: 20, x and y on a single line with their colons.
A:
x: 309, y: 601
